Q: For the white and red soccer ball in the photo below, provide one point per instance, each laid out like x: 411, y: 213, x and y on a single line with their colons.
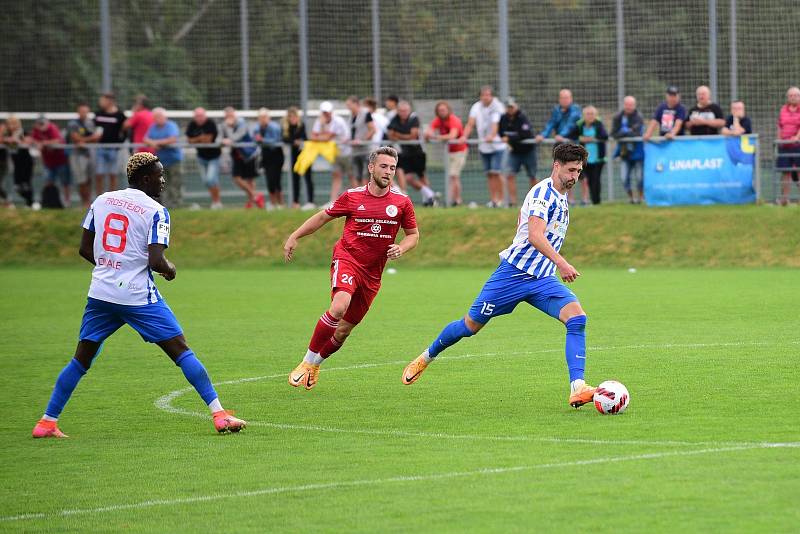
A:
x: 611, y: 398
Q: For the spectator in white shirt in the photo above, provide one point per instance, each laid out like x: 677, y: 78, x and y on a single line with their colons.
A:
x: 330, y: 127
x: 484, y: 118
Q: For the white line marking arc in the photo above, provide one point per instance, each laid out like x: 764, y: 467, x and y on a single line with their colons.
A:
x: 165, y: 403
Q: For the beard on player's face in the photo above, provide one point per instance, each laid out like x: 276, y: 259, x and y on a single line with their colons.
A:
x: 567, y: 177
x: 381, y: 180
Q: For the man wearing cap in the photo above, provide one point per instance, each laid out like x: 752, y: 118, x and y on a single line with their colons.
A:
x: 669, y: 116
x: 516, y: 132
x: 330, y: 127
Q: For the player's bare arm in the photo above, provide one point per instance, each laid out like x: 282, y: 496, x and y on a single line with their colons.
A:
x: 312, y: 224
x: 86, y: 249
x: 159, y: 263
x: 408, y: 242
x: 536, y: 230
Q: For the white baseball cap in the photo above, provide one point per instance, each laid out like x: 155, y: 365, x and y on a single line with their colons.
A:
x: 326, y: 107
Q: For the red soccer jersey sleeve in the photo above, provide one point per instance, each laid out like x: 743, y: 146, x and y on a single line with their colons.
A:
x: 341, y: 207
x: 409, y: 219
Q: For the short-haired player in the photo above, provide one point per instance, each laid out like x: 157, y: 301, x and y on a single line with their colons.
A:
x: 125, y: 234
x: 527, y: 274
x: 375, y: 213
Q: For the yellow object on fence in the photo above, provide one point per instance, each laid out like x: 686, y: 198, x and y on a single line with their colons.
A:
x: 311, y: 151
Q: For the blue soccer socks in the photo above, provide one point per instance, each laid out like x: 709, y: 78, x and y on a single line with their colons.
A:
x: 197, y: 376
x: 576, y: 347
x: 451, y: 334
x: 65, y: 384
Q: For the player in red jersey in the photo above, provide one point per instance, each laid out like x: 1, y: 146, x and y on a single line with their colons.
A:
x: 375, y: 212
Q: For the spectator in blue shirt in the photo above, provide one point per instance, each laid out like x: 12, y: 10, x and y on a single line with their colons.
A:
x: 269, y: 135
x: 162, y: 135
x: 562, y: 119
x: 590, y: 132
x: 669, y: 116
x: 737, y: 122
x: 630, y: 123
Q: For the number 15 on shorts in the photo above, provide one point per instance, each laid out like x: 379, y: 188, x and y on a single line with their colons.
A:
x: 487, y: 308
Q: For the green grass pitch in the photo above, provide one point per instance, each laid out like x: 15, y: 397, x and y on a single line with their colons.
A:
x: 483, y: 441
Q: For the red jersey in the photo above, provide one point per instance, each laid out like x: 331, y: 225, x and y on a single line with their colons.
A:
x: 51, y: 157
x: 446, y: 126
x: 371, y: 226
x: 140, y: 122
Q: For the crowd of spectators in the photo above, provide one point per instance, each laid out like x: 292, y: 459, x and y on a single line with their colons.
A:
x: 505, y: 137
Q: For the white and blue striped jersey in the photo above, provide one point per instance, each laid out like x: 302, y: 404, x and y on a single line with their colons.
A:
x: 545, y: 202
x: 125, y: 223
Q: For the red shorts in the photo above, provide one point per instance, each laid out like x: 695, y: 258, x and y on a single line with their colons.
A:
x: 345, y: 276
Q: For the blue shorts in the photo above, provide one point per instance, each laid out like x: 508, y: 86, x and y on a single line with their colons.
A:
x: 155, y: 322
x: 107, y: 160
x: 517, y: 161
x: 508, y: 286
x: 493, y: 161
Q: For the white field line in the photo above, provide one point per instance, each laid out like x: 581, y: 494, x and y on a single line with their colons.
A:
x: 165, y: 403
x: 377, y: 482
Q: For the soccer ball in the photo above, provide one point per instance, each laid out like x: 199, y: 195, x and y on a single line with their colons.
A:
x: 611, y: 398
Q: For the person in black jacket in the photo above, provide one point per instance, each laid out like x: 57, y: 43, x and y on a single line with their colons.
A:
x: 294, y: 133
x: 591, y: 133
x: 514, y: 129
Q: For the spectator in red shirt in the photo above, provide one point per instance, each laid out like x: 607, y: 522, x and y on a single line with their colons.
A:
x: 446, y: 127
x: 45, y: 134
x: 139, y: 122
x: 788, y: 161
x: 374, y: 214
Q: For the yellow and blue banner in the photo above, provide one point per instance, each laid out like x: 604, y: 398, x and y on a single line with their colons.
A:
x: 718, y: 170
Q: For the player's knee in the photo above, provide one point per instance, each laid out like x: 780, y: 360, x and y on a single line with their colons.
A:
x: 576, y: 324
x: 472, y: 326
x: 338, y: 310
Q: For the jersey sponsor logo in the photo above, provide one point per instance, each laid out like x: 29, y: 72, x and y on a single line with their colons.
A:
x: 361, y: 208
x: 391, y: 210
x: 538, y: 203
x: 559, y: 229
x: 376, y: 228
x: 162, y: 231
x: 379, y: 221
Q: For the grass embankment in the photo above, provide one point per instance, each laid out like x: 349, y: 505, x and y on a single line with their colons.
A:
x: 604, y: 236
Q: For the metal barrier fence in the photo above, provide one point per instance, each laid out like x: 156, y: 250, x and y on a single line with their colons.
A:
x: 185, y: 53
x: 473, y: 177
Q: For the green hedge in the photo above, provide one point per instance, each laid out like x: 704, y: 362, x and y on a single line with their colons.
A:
x: 603, y: 236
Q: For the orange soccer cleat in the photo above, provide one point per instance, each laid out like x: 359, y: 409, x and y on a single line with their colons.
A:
x: 47, y: 429
x: 305, y: 375
x: 224, y: 421
x: 582, y: 395
x: 413, y: 370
